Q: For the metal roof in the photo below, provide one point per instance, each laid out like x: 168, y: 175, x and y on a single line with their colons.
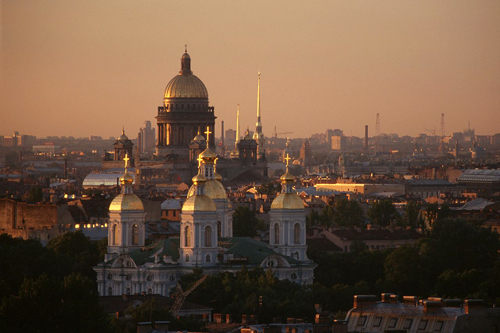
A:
x: 480, y: 175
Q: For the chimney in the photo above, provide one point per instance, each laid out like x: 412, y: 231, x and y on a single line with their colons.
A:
x: 364, y: 300
x: 430, y: 306
x: 366, y: 138
x: 410, y: 300
x: 389, y: 298
x: 473, y: 304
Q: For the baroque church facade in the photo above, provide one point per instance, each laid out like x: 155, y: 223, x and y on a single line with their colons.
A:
x: 206, y: 240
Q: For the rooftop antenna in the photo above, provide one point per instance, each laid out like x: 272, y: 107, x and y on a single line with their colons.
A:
x: 377, y: 125
x: 442, y: 124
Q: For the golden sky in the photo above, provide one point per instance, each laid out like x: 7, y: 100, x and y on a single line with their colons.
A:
x: 90, y: 67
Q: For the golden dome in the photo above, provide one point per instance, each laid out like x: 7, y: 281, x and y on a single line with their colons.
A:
x: 213, y: 190
x: 287, y: 177
x: 208, y: 154
x: 185, y: 86
x: 217, y: 176
x: 125, y: 202
x: 126, y: 179
x: 199, y: 178
x: 199, y: 203
x: 287, y: 201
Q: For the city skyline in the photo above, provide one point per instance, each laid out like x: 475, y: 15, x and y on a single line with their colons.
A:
x: 80, y: 69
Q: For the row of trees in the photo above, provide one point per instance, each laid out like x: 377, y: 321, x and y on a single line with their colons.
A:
x: 346, y: 213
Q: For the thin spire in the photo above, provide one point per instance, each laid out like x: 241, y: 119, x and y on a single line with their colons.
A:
x: 258, y: 98
x: 237, y: 127
x: 185, y: 48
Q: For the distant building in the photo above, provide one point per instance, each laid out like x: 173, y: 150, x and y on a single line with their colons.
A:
x: 146, y: 138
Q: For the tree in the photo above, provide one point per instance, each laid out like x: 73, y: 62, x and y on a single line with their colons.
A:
x: 411, y: 213
x: 269, y: 189
x: 245, y: 222
x: 403, y: 271
x: 347, y: 213
x: 383, y: 213
x: 35, y: 194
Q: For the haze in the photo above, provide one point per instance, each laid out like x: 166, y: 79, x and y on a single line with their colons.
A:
x: 85, y: 68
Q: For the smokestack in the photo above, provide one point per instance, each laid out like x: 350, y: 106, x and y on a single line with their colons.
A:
x: 222, y: 137
x: 366, y: 138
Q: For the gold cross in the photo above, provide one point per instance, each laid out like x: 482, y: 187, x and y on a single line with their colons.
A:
x: 208, y: 134
x: 199, y: 159
x: 126, y: 159
x: 287, y: 159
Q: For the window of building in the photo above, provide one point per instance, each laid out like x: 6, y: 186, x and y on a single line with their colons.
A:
x: 296, y: 255
x: 377, y: 322
x: 208, y: 236
x: 219, y: 229
x: 293, y: 276
x: 296, y: 233
x: 187, y: 258
x: 171, y: 277
x: 187, y: 236
x: 128, y: 292
x: 392, y: 322
x: 208, y: 258
x: 110, y: 291
x: 439, y: 326
x: 276, y: 233
x: 135, y: 234
x: 362, y: 321
x: 150, y: 291
x: 407, y: 323
x: 113, y: 235
x: 422, y: 325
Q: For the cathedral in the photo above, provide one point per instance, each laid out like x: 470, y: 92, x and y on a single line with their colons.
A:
x: 206, y: 240
x: 181, y: 122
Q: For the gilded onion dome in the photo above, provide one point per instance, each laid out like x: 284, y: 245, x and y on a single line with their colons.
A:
x: 199, y: 202
x: 123, y: 137
x: 287, y: 199
x: 185, y: 84
x: 126, y: 200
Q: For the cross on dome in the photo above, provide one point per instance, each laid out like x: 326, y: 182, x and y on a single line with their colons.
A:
x: 199, y: 159
x: 208, y: 134
x: 287, y: 159
x: 185, y: 48
x: 126, y: 159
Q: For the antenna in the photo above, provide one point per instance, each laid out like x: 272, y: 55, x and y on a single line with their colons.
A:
x: 377, y: 125
x: 442, y: 124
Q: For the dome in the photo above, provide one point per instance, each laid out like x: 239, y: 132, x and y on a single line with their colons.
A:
x: 287, y: 177
x: 185, y: 85
x: 126, y: 179
x: 208, y: 154
x: 123, y: 137
x: 287, y: 201
x: 213, y: 190
x: 199, y: 179
x: 199, y: 203
x: 126, y: 202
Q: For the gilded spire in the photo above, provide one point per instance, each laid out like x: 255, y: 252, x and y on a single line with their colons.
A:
x: 237, y: 128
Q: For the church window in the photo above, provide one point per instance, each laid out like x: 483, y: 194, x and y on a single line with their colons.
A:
x: 219, y: 229
x: 208, y: 236
x: 135, y: 234
x: 113, y: 235
x: 171, y: 277
x: 187, y: 258
x: 293, y: 276
x: 110, y: 291
x: 296, y: 234
x: 276, y: 233
x: 208, y: 258
x: 150, y: 291
x: 187, y: 236
x: 295, y: 255
x: 270, y: 263
x: 128, y: 291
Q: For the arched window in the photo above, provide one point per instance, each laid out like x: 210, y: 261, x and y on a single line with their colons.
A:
x: 186, y: 258
x: 276, y: 233
x: 113, y: 235
x: 135, y: 234
x: 150, y: 291
x: 208, y: 236
x: 208, y: 258
x: 296, y: 233
x: 187, y: 236
x: 296, y: 255
x: 219, y: 229
x: 110, y: 291
x: 128, y: 291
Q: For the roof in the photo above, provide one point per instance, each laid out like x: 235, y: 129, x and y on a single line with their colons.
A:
x: 167, y: 247
x: 429, y: 182
x: 373, y: 234
x: 171, y: 204
x: 408, y: 310
x: 477, y: 204
x: 480, y: 175
x: 322, y: 244
x: 103, y: 179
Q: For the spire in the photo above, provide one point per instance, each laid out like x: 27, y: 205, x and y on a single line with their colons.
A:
x: 258, y: 98
x: 237, y: 128
x: 258, y: 135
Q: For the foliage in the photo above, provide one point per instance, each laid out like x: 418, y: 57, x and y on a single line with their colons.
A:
x: 245, y: 222
x: 411, y: 214
x: 269, y: 188
x: 70, y: 305
x: 35, y: 194
x: 383, y: 213
x: 347, y: 213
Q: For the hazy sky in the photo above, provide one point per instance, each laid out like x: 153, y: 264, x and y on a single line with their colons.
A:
x: 88, y: 67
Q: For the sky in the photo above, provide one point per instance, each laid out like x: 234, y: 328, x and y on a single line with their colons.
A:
x: 81, y: 68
